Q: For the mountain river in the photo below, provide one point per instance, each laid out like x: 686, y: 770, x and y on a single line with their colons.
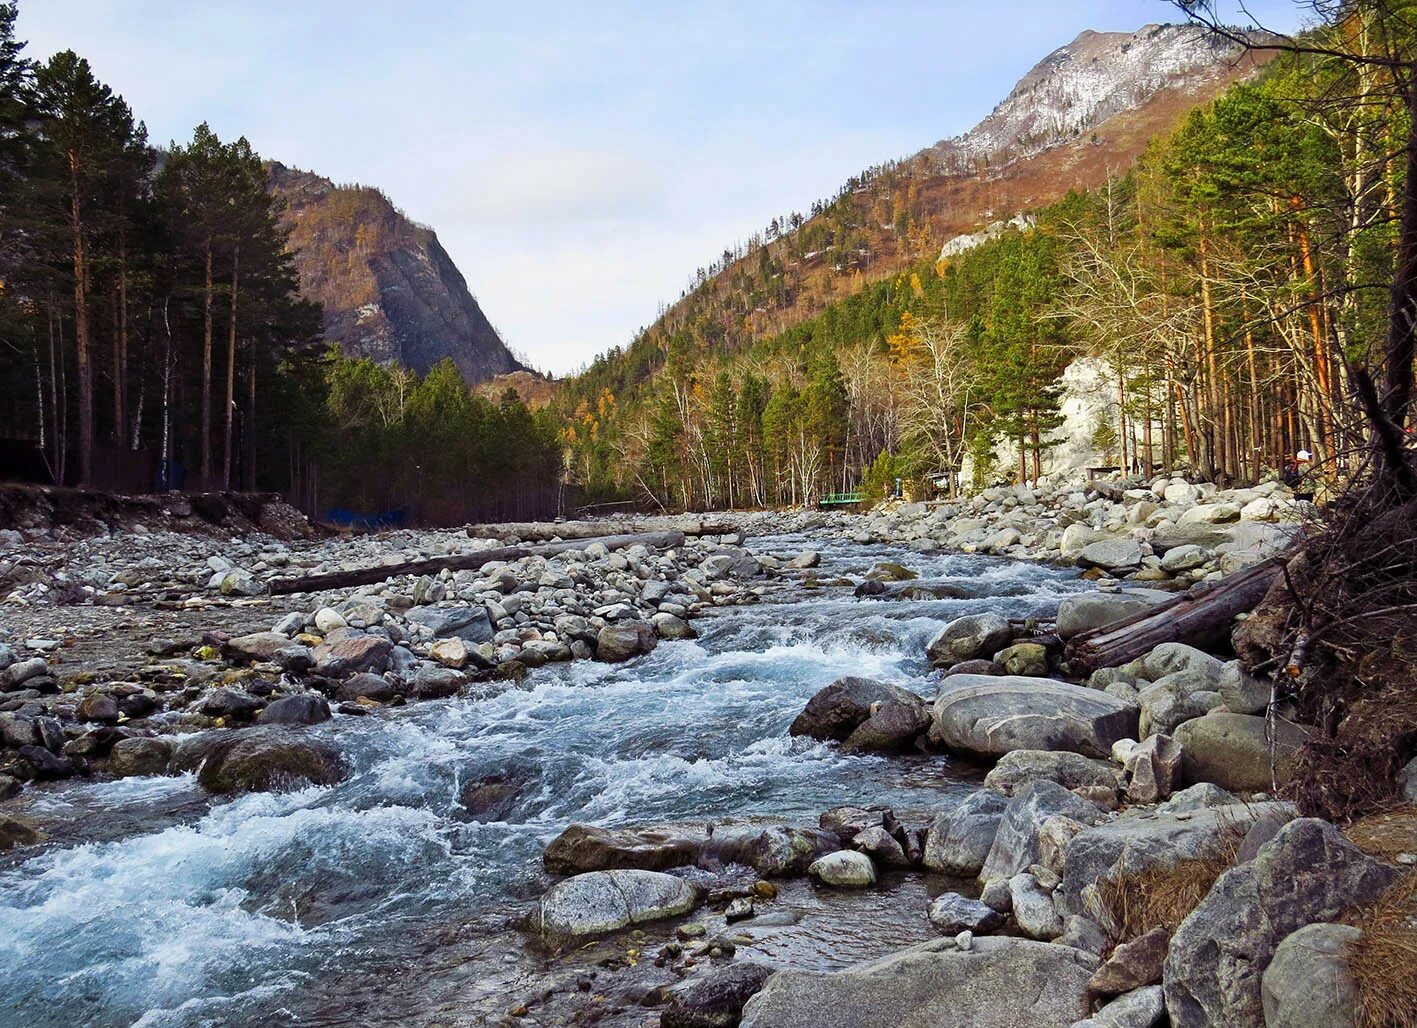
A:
x: 380, y: 901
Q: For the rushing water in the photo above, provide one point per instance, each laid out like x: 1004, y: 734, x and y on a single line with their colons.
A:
x: 152, y: 906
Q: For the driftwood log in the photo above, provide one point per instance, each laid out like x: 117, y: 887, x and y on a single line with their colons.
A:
x: 539, y: 531
x: 1203, y: 612
x: 465, y: 561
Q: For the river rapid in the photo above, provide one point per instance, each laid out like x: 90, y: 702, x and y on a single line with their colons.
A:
x: 381, y: 901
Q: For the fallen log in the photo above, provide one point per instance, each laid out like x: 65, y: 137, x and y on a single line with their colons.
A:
x: 1200, y: 614
x: 542, y: 531
x: 465, y: 561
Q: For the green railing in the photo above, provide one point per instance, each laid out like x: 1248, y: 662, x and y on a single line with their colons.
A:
x: 841, y: 499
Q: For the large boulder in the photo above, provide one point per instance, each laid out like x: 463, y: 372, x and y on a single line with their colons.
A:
x: 837, y: 710
x: 1233, y: 751
x: 975, y: 635
x: 716, y: 999
x: 1142, y: 1008
x: 583, y: 848
x: 139, y: 755
x: 352, y: 654
x: 958, y: 842
x: 988, y: 716
x: 622, y: 641
x: 1308, y: 983
x: 1016, y: 845
x: 1086, y: 611
x: 1118, y: 556
x: 1125, y: 847
x: 1070, y: 770
x: 267, y: 760
x: 606, y: 901
x: 996, y: 983
x: 1308, y: 873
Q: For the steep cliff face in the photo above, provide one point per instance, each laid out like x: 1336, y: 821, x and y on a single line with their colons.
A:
x: 389, y: 289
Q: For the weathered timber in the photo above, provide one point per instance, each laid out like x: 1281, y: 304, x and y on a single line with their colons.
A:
x: 465, y: 561
x: 1199, y: 614
x: 544, y: 531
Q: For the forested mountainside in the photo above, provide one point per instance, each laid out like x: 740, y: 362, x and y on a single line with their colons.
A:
x: 1214, y: 268
x: 161, y: 325
x: 389, y: 290
x: 1085, y: 112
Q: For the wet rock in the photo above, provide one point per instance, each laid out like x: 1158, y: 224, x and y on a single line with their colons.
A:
x: 958, y: 842
x: 952, y: 913
x: 1232, y: 751
x: 889, y: 571
x: 14, y: 832
x: 47, y: 766
x: 429, y: 683
x: 451, y: 653
x: 267, y: 760
x: 668, y: 626
x: 98, y: 706
x: 306, y: 708
x: 969, y: 637
x: 606, y: 901
x: 231, y: 704
x: 1016, y: 845
x: 1308, y: 873
x: 845, y: 868
x: 1132, y: 965
x: 140, y: 756
x: 715, y: 1000
x: 777, y: 852
x: 934, y: 984
x: 295, y: 659
x: 882, y: 846
x: 892, y: 728
x: 1308, y: 984
x: 838, y: 709
x: 583, y: 848
x: 848, y: 822
x: 368, y: 686
x: 806, y: 559
x: 1070, y: 770
x: 625, y: 640
x: 17, y: 674
x: 990, y: 716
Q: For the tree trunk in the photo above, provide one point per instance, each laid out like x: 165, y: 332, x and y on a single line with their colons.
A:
x: 1402, y: 323
x: 81, y: 327
x: 231, y: 370
x: 207, y: 368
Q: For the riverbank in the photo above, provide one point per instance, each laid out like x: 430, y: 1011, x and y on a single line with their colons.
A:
x: 528, y: 750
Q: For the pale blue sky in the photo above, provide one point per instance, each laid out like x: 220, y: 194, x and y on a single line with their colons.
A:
x: 578, y: 160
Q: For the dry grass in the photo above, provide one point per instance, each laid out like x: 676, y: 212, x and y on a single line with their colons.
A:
x: 1384, y: 835
x: 1163, y: 895
x: 1383, y: 960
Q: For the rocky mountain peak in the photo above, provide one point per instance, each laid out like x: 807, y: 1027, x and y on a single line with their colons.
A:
x: 389, y: 289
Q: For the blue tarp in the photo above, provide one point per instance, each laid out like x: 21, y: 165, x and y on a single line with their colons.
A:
x: 351, y: 519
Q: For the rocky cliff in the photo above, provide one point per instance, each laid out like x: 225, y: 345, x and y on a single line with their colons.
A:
x: 389, y: 289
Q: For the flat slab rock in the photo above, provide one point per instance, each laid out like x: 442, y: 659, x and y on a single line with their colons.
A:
x: 997, y: 983
x: 989, y: 716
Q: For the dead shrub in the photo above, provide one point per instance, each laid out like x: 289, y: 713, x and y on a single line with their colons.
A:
x: 1383, y: 960
x: 1163, y: 895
